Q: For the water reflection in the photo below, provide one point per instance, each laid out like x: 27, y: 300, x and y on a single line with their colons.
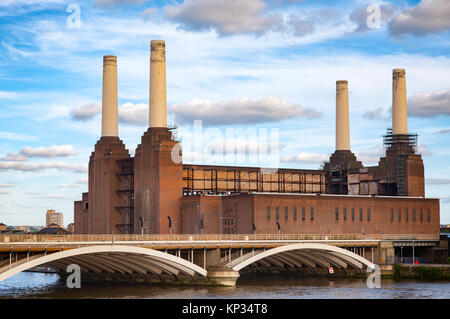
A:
x: 37, y: 285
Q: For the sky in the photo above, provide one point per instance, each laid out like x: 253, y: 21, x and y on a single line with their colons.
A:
x: 250, y: 65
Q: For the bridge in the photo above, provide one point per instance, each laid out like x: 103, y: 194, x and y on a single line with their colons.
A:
x: 215, y: 259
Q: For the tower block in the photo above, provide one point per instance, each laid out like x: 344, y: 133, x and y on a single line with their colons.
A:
x: 103, y: 197
x: 401, y: 170
x: 158, y: 180
x: 342, y: 161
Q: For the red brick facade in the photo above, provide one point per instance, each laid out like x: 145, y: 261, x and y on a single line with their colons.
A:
x: 310, y: 214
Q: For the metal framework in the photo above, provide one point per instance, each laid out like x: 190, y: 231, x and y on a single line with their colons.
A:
x: 126, y: 193
x: 226, y: 180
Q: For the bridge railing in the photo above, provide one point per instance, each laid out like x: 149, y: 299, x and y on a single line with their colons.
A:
x: 10, y: 238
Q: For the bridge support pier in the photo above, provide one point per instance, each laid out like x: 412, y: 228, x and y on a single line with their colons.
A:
x: 223, y: 277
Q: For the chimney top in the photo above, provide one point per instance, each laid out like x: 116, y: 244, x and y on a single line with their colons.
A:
x: 157, y: 43
x: 342, y: 82
x: 398, y: 73
x: 109, y: 59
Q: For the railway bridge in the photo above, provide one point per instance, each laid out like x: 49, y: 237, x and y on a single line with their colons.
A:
x: 215, y: 259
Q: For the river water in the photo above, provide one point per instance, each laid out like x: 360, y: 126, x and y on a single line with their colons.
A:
x: 39, y: 285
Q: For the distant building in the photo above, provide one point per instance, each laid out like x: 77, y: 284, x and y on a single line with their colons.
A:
x: 53, y: 217
x: 3, y: 227
x: 25, y: 229
x: 70, y: 228
x: 53, y: 229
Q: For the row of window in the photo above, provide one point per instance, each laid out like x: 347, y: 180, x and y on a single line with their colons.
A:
x: 344, y: 214
x: 286, y: 213
x: 406, y: 215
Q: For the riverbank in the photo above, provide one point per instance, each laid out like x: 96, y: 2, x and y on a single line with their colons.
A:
x: 421, y: 272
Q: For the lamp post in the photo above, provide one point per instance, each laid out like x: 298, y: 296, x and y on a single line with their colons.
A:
x: 170, y: 223
x: 142, y: 225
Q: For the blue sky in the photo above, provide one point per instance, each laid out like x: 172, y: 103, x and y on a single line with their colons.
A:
x: 226, y: 60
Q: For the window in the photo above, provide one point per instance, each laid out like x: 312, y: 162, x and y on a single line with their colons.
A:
x: 268, y: 212
x: 303, y: 213
x: 345, y: 213
x: 406, y: 215
x: 368, y: 214
x: 399, y: 214
x: 421, y: 214
x: 277, y: 213
x: 286, y: 212
x: 295, y: 213
x: 392, y: 215
x: 353, y: 214
x: 312, y: 213
x: 428, y: 215
x: 414, y: 215
x: 360, y: 214
x: 336, y: 213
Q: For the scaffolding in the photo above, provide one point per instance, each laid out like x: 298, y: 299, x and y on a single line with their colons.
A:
x: 227, y: 180
x: 403, y: 143
x: 126, y: 194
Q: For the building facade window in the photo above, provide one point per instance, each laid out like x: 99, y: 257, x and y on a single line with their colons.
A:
x: 406, y: 215
x: 399, y: 213
x: 392, y: 215
x: 312, y: 213
x: 268, y: 212
x: 295, y: 213
x: 345, y: 214
x: 414, y: 215
x: 277, y: 213
x: 286, y: 213
x: 368, y: 214
x: 336, y: 213
x: 428, y: 215
x: 353, y: 214
x: 360, y: 214
x: 303, y: 213
x: 421, y: 214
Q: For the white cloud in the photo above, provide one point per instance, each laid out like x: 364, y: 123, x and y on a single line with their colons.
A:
x: 111, y: 3
x: 8, y: 95
x: 81, y: 181
x: 304, y: 157
x: 240, y: 111
x: 12, y: 136
x: 86, y: 111
x: 370, y: 155
x: 135, y: 114
x: 7, y: 185
x: 437, y: 181
x: 429, y: 16
x: 12, y: 157
x: 376, y: 114
x: 227, y: 17
x: 429, y: 104
x: 48, y: 152
x: 35, y: 167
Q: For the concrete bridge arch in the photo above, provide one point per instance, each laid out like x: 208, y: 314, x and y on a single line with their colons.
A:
x: 121, y: 259
x: 311, y: 255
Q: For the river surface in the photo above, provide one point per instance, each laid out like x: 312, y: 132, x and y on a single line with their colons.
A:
x: 38, y: 285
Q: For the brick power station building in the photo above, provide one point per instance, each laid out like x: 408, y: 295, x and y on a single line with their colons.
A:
x: 152, y: 194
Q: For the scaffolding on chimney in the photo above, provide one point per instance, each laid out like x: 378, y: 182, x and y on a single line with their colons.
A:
x: 126, y: 193
x: 404, y: 143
